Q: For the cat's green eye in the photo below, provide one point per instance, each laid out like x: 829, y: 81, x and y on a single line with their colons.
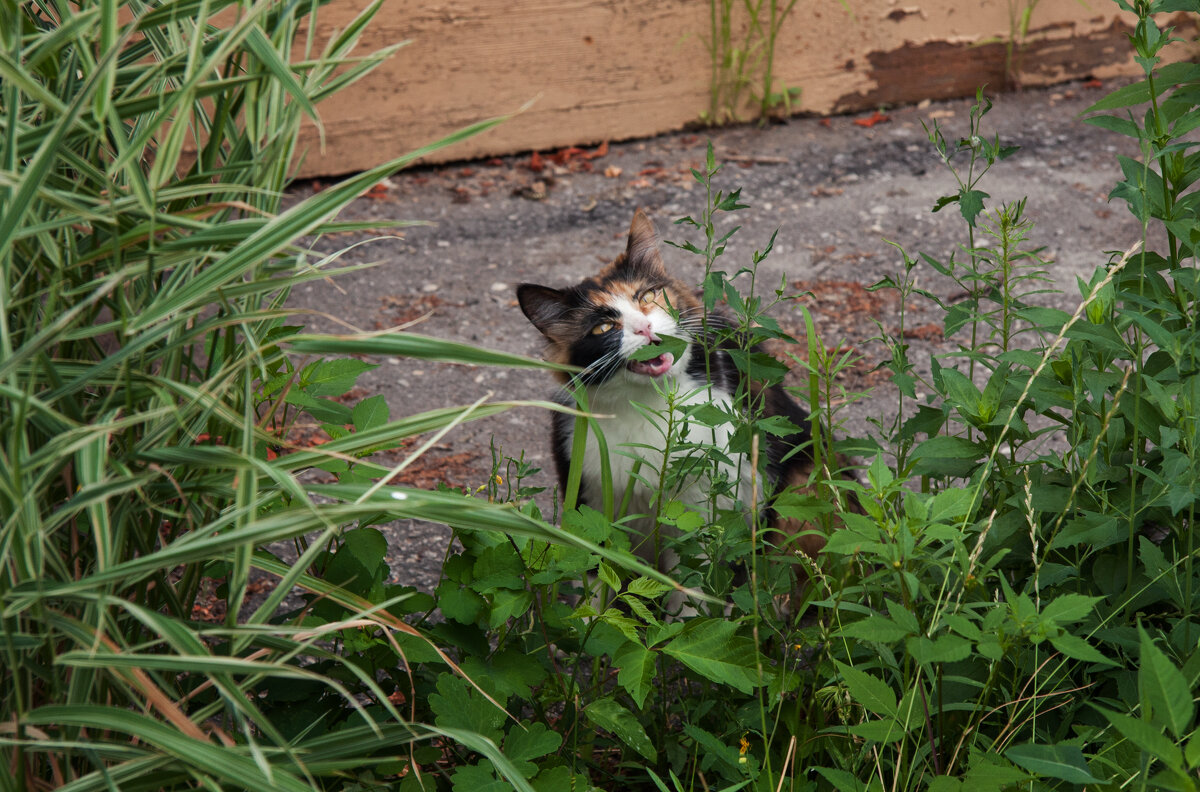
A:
x: 649, y: 296
x: 603, y: 328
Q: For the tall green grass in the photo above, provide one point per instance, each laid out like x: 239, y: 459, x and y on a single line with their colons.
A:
x: 148, y: 381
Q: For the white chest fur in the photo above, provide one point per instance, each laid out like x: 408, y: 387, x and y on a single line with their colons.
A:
x: 640, y: 418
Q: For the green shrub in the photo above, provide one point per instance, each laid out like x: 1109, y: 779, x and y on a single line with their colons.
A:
x: 1012, y: 605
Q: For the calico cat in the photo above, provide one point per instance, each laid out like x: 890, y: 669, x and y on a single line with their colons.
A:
x: 596, y: 326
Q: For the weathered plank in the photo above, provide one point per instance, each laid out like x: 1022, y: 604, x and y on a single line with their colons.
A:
x: 617, y: 69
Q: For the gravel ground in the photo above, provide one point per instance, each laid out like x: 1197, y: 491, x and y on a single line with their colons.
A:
x: 838, y: 191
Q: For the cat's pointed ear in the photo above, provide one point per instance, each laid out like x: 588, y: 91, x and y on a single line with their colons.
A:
x: 641, y: 252
x: 545, y: 307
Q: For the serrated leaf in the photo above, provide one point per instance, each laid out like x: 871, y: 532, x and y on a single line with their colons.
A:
x: 647, y: 587
x: 712, y: 648
x: 945, y: 649
x: 1078, y: 648
x: 1164, y: 689
x: 609, y: 576
x: 1064, y: 762
x: 1148, y: 738
x: 324, y: 410
x: 508, y: 604
x: 609, y: 715
x: 874, y: 628
x: 1069, y: 608
x: 970, y: 203
x: 458, y: 602
x: 626, y: 625
x: 637, y: 670
x: 370, y: 413
x: 872, y: 693
x: 335, y: 377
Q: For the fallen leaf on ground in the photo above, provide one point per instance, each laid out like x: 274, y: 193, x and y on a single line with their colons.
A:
x: 873, y: 119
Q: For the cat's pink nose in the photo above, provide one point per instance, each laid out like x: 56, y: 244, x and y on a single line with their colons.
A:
x: 646, y: 332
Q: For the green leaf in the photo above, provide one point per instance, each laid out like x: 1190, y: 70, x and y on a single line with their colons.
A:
x: 609, y: 715
x: 457, y: 705
x: 882, y: 731
x: 1192, y: 752
x: 961, y: 391
x: 841, y: 780
x: 945, y: 455
x: 557, y: 779
x: 637, y: 670
x: 526, y: 741
x: 1078, y: 648
x: 1125, y: 96
x: 872, y: 693
x: 334, y: 377
x: 1069, y: 608
x: 1122, y: 126
x: 507, y: 604
x: 669, y: 344
x: 874, y: 628
x: 970, y: 203
x: 324, y: 410
x: 359, y: 563
x: 712, y: 648
x: 609, y: 576
x: 458, y: 602
x: 1148, y: 738
x: 478, y: 778
x: 646, y: 587
x: 945, y: 649
x: 1165, y: 693
x: 1064, y: 762
x: 370, y: 413
x: 943, y: 202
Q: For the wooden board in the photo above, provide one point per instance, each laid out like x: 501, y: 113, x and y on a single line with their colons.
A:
x: 594, y: 70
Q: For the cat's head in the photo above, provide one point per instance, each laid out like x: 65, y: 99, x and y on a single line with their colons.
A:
x: 597, y: 324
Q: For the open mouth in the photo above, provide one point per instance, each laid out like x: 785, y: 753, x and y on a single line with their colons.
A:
x: 655, y: 367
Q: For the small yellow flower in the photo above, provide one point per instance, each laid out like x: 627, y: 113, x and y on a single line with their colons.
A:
x: 498, y: 480
x: 745, y: 746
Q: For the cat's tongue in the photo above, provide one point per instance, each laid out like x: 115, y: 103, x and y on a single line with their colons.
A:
x: 655, y: 367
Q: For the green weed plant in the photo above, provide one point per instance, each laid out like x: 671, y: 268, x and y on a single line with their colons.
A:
x: 1010, y: 603
x: 741, y: 49
x: 1007, y: 599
